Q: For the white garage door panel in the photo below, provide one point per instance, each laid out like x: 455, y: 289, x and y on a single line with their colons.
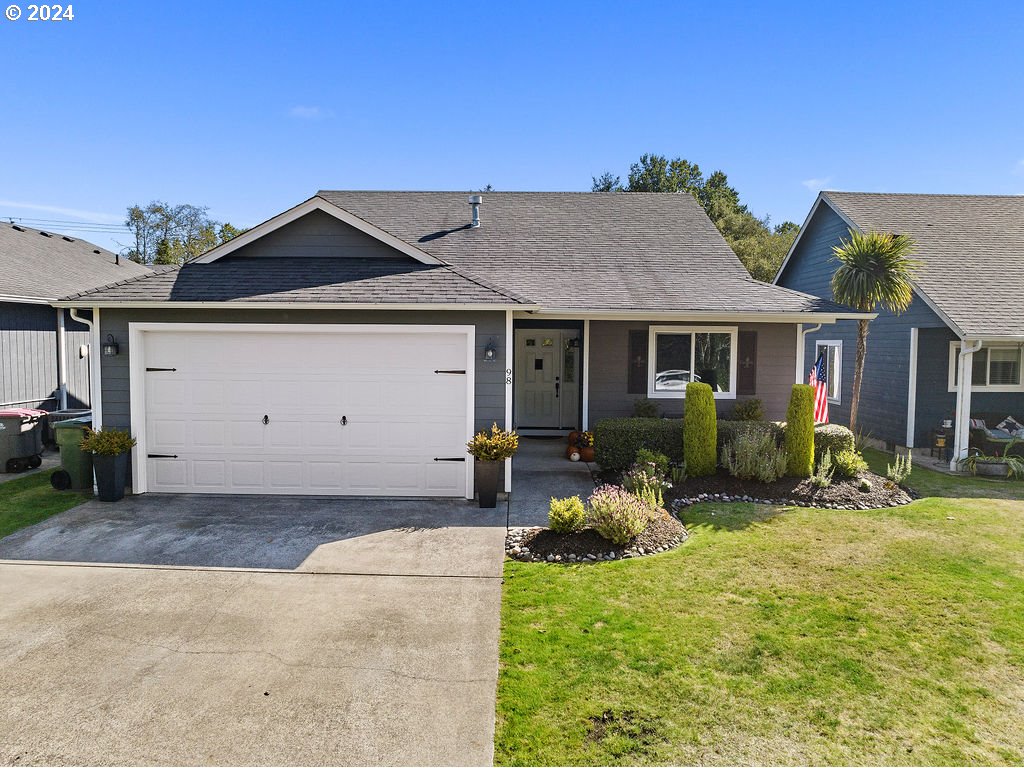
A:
x: 400, y: 415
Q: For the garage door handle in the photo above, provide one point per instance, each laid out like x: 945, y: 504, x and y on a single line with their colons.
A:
x: 460, y: 458
x: 266, y: 419
x: 459, y: 373
x: 161, y: 455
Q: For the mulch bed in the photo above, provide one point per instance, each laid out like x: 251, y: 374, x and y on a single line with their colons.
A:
x: 844, y: 493
x: 663, y: 533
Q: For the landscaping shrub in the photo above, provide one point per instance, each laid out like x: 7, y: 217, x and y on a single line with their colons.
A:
x: 496, y: 445
x: 646, y: 483
x: 799, y: 436
x: 832, y: 437
x: 849, y: 463
x: 107, y: 442
x: 678, y: 473
x: 616, y: 514
x: 901, y: 470
x: 749, y: 410
x: 822, y: 475
x: 659, y: 460
x: 616, y: 441
x: 728, y: 431
x: 700, y: 430
x: 754, y: 455
x: 645, y: 408
x: 566, y: 515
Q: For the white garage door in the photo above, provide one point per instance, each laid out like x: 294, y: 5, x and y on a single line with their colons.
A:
x: 353, y: 412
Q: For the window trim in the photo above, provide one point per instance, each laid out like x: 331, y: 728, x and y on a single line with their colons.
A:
x: 954, y: 353
x: 838, y: 399
x: 691, y: 330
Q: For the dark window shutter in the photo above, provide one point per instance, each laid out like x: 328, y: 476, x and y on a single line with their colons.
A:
x: 637, y: 374
x: 746, y: 367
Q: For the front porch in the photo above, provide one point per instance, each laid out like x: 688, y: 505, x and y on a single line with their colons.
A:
x: 540, y: 471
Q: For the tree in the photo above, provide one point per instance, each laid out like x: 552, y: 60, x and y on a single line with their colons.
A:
x: 173, y: 234
x: 875, y: 271
x: 606, y: 182
x: 758, y: 245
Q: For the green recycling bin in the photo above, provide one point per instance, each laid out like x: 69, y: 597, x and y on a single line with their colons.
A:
x: 76, y: 474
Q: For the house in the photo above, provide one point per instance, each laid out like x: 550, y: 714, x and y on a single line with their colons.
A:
x: 352, y: 344
x: 966, y: 322
x: 43, y: 363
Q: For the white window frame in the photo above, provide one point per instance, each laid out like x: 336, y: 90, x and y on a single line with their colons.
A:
x: 954, y: 353
x: 838, y: 372
x: 684, y: 330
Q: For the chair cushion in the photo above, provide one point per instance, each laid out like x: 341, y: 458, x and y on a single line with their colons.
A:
x: 1010, y: 424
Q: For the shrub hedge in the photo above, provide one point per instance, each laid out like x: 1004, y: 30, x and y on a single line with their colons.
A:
x: 616, y: 441
x: 799, y: 438
x: 728, y: 430
x: 832, y: 437
x: 700, y: 430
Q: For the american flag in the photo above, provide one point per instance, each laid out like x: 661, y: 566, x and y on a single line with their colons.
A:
x: 819, y: 380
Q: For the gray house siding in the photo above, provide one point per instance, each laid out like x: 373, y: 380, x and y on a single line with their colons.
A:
x: 609, y: 370
x: 884, y: 392
x: 28, y: 357
x: 490, y: 379
x: 316, y: 234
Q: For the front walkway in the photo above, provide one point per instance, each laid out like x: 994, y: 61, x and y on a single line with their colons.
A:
x: 540, y: 471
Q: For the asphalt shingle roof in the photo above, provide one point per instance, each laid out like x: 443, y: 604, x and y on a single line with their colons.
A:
x: 48, y: 266
x: 559, y: 250
x: 269, y: 280
x: 971, y: 249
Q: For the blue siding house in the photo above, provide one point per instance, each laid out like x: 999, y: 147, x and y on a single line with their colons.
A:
x: 966, y: 321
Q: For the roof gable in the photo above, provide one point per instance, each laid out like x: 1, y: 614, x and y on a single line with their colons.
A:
x: 970, y: 247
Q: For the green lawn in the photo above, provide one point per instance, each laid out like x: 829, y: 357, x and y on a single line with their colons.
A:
x: 29, y: 499
x: 778, y: 635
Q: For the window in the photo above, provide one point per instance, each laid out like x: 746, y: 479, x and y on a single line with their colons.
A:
x: 678, y: 355
x: 995, y: 368
x: 833, y: 368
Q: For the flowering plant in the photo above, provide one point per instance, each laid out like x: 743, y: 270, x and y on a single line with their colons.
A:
x: 585, y: 439
x: 497, y: 445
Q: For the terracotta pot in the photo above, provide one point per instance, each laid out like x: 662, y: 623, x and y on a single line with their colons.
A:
x: 572, y: 438
x: 587, y: 453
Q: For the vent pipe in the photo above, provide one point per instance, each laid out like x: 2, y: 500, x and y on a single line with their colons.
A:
x: 474, y: 201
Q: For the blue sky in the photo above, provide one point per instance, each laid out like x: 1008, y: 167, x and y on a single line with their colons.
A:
x: 251, y: 107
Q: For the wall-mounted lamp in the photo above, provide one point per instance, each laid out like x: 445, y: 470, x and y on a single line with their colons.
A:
x: 110, y: 347
x: 491, y: 352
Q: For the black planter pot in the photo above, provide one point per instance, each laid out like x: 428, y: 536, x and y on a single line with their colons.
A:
x: 111, y: 476
x: 487, y: 483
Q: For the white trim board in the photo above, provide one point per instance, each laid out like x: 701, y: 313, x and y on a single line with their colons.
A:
x: 137, y: 362
x: 912, y: 389
x: 316, y: 203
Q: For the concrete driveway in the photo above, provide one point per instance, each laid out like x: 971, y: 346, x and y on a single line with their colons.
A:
x: 197, y: 630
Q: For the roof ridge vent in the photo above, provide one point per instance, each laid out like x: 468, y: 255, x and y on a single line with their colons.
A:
x: 475, y: 201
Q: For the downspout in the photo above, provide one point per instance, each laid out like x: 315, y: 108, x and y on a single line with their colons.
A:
x: 801, y: 350
x: 94, y: 365
x: 62, y: 361
x: 965, y: 370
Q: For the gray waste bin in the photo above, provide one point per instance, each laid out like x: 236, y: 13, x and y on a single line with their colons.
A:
x: 21, y: 439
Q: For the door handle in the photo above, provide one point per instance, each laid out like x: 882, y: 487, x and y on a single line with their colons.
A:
x: 558, y: 386
x: 266, y: 419
x: 344, y: 420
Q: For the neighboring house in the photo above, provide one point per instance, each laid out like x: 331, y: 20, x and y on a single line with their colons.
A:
x: 42, y: 359
x: 966, y: 322
x: 352, y: 344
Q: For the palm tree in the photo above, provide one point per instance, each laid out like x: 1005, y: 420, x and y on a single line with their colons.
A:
x: 875, y: 271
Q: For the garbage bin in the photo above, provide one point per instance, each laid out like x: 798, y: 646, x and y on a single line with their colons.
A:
x: 21, y: 439
x: 49, y: 438
x: 76, y: 472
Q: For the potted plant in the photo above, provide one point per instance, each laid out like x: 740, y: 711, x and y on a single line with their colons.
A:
x: 109, y: 449
x: 581, y: 447
x: 490, y: 449
x: 995, y: 466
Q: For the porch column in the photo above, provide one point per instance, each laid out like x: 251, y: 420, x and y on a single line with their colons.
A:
x: 965, y: 371
x: 586, y: 375
x: 508, y: 392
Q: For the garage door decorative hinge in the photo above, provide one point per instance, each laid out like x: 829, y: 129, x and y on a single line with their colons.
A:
x: 463, y: 373
x: 459, y: 458
x: 161, y: 455
x: 161, y: 369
